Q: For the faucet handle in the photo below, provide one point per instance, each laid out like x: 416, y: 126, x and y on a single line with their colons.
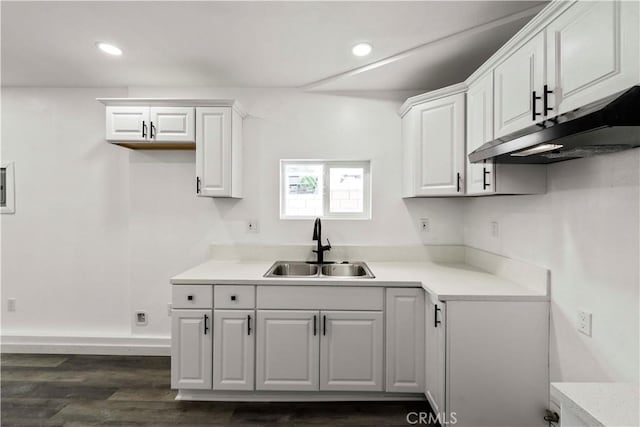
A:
x: 328, y: 247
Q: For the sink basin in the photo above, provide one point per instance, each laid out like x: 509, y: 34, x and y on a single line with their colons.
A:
x: 292, y: 269
x: 359, y: 269
x: 306, y: 269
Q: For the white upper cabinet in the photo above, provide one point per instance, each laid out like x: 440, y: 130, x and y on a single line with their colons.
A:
x: 127, y: 123
x: 487, y: 177
x: 480, y: 176
x: 218, y: 152
x: 172, y: 124
x: 593, y: 51
x: 518, y: 86
x: 433, y: 140
x: 150, y: 124
x: 351, y: 351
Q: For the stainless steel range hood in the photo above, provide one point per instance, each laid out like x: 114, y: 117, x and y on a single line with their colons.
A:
x: 606, y: 126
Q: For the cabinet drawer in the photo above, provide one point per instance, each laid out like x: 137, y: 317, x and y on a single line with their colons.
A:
x: 234, y: 296
x: 320, y: 297
x: 192, y: 296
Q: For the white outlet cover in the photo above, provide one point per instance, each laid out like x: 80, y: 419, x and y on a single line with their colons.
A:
x: 584, y: 322
x: 252, y: 226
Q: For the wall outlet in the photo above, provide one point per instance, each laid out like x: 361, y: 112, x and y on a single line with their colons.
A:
x: 141, y: 318
x: 252, y: 226
x: 11, y: 304
x: 584, y: 322
x: 169, y: 309
x: 495, y: 229
x: 425, y: 226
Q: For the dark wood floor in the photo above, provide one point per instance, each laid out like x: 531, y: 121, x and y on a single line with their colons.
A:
x: 77, y: 390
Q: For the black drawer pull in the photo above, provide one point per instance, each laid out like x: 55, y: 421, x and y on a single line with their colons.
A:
x: 189, y: 297
x: 234, y: 297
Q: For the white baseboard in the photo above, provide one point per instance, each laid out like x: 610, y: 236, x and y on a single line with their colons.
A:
x: 295, y: 396
x: 126, y: 346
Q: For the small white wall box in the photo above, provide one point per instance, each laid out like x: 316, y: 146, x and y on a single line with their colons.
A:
x: 7, y: 188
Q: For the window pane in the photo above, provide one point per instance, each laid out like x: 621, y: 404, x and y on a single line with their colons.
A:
x: 303, y: 190
x: 346, y: 190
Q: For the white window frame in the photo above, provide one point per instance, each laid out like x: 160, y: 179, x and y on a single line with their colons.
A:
x: 10, y: 203
x: 327, y: 165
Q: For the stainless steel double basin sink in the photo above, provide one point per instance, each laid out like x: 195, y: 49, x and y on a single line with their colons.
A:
x: 300, y: 269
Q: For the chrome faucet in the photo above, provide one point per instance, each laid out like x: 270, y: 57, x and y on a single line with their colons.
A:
x: 317, y: 235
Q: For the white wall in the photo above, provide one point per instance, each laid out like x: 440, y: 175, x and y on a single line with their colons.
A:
x: 64, y: 251
x: 586, y: 230
x: 129, y: 220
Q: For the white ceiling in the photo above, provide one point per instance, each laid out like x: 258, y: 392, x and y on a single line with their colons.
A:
x: 254, y: 44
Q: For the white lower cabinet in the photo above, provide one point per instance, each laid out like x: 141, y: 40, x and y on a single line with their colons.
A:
x: 351, y: 351
x: 319, y: 350
x: 487, y: 362
x: 233, y: 349
x: 287, y: 353
x: 191, y: 348
x: 405, y: 340
x: 435, y: 355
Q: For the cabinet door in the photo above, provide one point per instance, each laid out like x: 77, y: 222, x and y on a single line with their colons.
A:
x: 435, y: 352
x: 172, y: 124
x: 405, y: 340
x: 287, y: 353
x: 480, y: 176
x: 440, y: 141
x: 351, y: 351
x: 127, y: 124
x: 515, y: 80
x: 191, y: 349
x: 213, y: 151
x: 233, y: 349
x: 593, y: 51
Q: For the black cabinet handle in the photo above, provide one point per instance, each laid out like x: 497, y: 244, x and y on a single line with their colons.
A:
x: 189, y: 297
x: 144, y: 129
x: 435, y: 316
x: 534, y: 98
x: 324, y: 325
x: 249, y: 324
x: 315, y: 325
x: 234, y: 297
x: 458, y: 182
x: 485, y: 172
x: 206, y: 322
x: 545, y: 101
x: 197, y: 184
x: 151, y: 128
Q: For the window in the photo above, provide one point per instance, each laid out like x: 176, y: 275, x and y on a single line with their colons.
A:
x: 326, y: 189
x: 7, y: 200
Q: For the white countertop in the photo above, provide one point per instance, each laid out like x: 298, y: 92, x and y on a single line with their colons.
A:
x: 601, y: 404
x: 443, y: 281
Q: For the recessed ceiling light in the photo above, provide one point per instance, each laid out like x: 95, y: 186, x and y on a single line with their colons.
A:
x: 109, y: 48
x: 362, y: 49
